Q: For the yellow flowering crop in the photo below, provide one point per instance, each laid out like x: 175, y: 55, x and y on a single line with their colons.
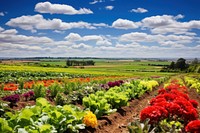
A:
x: 90, y: 119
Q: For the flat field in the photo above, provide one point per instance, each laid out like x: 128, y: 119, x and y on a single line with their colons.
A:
x: 101, y: 67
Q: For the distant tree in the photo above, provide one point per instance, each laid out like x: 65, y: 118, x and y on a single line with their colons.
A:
x: 181, y: 64
x: 172, y: 65
x: 195, y: 61
x: 68, y: 63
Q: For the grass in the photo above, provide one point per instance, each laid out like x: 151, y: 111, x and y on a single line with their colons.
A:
x: 102, y: 67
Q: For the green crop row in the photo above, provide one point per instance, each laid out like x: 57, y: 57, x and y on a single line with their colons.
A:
x: 193, y: 83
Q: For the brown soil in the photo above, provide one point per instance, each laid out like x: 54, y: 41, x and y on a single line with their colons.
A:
x: 117, y: 122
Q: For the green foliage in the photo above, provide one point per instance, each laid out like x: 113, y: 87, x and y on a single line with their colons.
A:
x: 44, y: 118
x: 98, y: 104
x: 137, y: 127
x: 3, y: 107
x: 60, y: 99
x: 193, y: 83
x: 39, y: 91
x: 4, y: 127
x: 105, y: 102
x: 170, y: 126
x: 116, y: 99
x: 54, y: 90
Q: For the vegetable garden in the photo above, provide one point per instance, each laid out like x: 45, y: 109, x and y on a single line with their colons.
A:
x: 56, y: 102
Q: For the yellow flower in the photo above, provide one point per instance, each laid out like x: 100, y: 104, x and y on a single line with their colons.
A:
x: 90, y: 119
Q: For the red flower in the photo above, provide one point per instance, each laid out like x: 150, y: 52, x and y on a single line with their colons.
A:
x: 169, y: 97
x: 194, y: 103
x: 174, y: 109
x: 157, y: 100
x: 154, y: 113
x: 162, y: 91
x: 193, y: 126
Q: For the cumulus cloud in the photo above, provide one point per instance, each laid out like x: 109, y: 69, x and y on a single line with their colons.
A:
x: 2, y: 14
x: 11, y: 31
x: 139, y: 10
x: 73, y: 37
x: 76, y: 37
x: 36, y: 22
x: 99, y: 40
x: 172, y: 40
x: 164, y: 24
x: 104, y: 42
x: 124, y: 24
x: 109, y: 7
x: 11, y: 36
x: 81, y: 46
x: 168, y: 24
x: 47, y: 7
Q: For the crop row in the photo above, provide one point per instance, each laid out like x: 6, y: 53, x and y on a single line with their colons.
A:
x: 44, y: 117
x: 18, y: 76
x: 170, y: 111
x: 193, y: 83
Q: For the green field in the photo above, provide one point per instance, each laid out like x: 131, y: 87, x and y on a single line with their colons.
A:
x: 101, y: 67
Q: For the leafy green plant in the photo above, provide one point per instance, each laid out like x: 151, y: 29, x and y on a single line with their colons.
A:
x: 4, y: 106
x: 98, y: 104
x: 60, y: 99
x: 44, y: 118
x: 39, y: 91
x: 4, y: 127
x: 170, y: 126
x: 54, y: 90
x: 116, y: 99
x: 138, y: 127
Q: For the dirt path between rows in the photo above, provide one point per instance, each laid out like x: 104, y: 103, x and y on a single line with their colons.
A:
x: 117, y: 122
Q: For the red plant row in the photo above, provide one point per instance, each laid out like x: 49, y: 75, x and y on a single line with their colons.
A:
x: 173, y: 102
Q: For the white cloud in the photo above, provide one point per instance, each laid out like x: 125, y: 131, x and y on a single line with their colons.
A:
x: 168, y: 24
x: 172, y: 40
x: 11, y: 31
x: 96, y: 1
x: 104, y: 42
x: 124, y: 24
x: 47, y: 7
x: 139, y: 10
x: 131, y: 45
x: 179, y: 16
x: 76, y: 37
x: 92, y: 38
x: 1, y: 29
x: 100, y: 25
x: 109, y: 7
x: 2, y: 14
x: 58, y: 31
x: 10, y: 36
x: 81, y: 46
x: 38, y: 22
x: 73, y: 37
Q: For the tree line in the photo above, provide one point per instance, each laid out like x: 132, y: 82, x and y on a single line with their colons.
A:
x: 80, y: 63
x: 181, y: 65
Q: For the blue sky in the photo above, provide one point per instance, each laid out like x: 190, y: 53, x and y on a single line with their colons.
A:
x: 100, y: 28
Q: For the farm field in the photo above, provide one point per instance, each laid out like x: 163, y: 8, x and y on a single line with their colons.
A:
x: 101, y: 67
x: 111, y: 96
